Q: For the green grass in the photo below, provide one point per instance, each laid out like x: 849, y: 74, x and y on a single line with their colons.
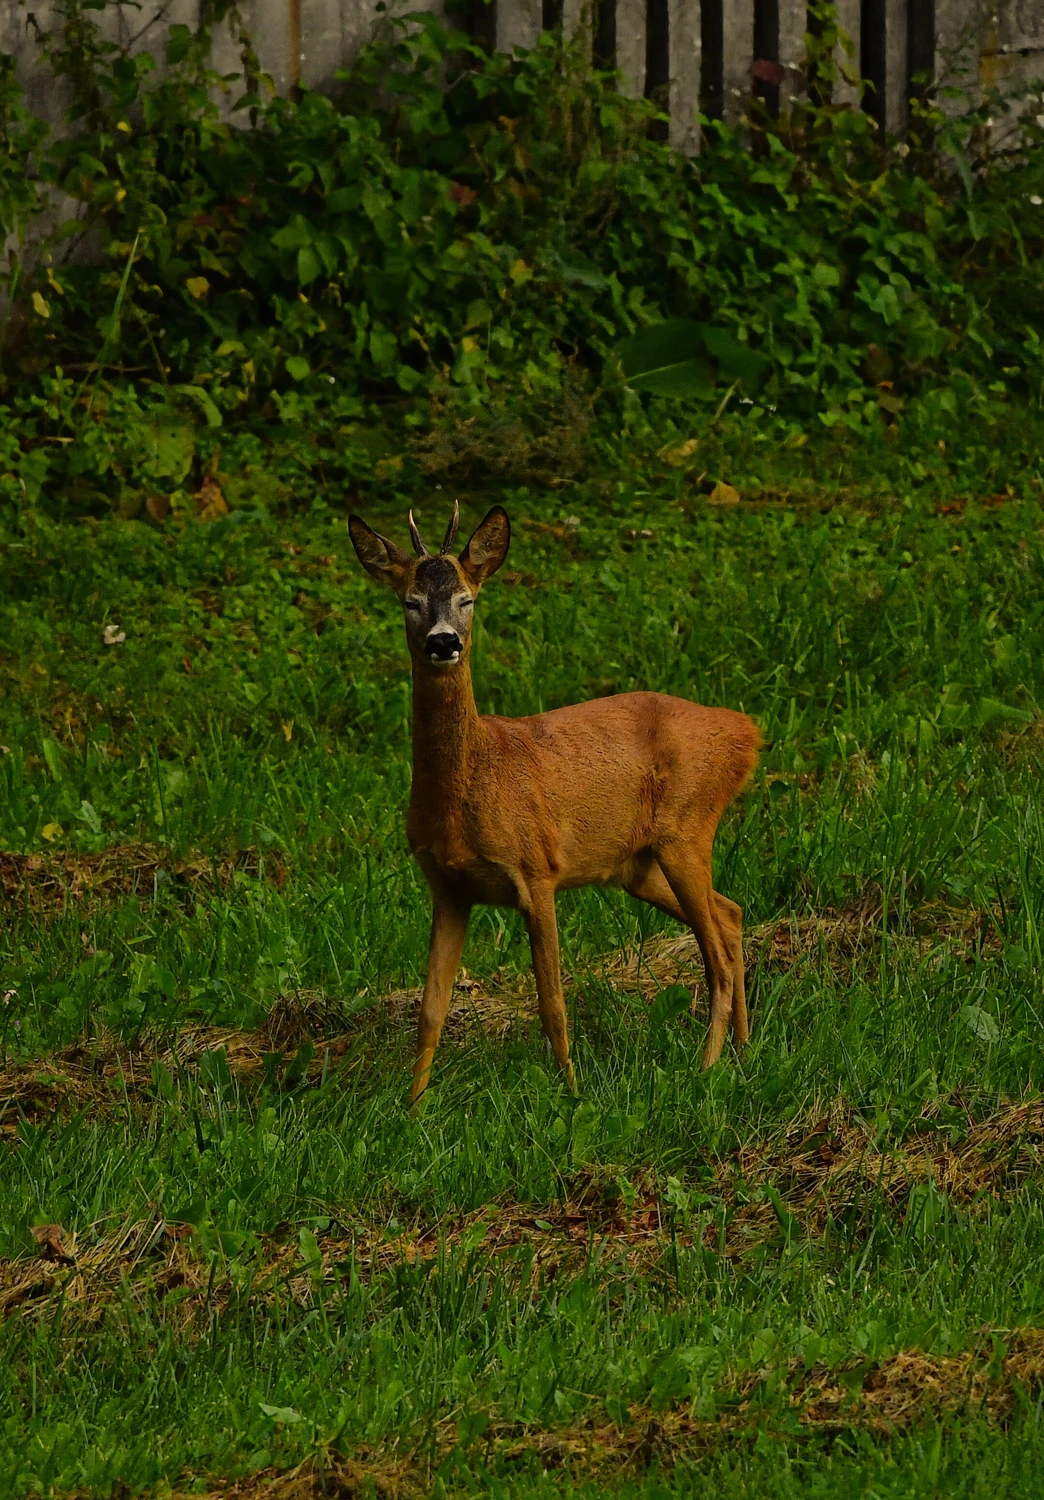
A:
x: 892, y: 657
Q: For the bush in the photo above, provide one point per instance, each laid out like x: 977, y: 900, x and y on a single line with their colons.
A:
x: 452, y: 248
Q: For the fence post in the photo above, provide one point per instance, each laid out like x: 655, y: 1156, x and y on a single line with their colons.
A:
x: 737, y: 55
x: 685, y: 22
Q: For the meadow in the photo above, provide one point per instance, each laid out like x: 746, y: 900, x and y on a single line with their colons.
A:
x: 232, y: 1262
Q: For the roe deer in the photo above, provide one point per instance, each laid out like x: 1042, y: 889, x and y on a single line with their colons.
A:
x: 623, y: 791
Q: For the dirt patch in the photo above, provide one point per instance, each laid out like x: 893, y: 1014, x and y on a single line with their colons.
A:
x: 48, y: 883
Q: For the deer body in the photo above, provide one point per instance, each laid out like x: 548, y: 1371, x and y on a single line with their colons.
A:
x: 624, y: 791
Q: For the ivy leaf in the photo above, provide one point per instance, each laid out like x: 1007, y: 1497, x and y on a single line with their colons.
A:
x: 197, y: 394
x: 308, y: 265
x: 668, y: 359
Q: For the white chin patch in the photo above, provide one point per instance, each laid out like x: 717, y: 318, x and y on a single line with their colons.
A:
x: 444, y: 661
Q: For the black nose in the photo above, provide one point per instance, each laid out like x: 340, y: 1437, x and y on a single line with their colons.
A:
x: 443, y: 646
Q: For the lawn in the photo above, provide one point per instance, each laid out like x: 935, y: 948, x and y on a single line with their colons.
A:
x: 230, y: 1259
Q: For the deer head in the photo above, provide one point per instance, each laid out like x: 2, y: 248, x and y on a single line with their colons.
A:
x: 438, y: 590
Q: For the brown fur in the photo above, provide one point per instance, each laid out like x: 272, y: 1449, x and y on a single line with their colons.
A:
x: 624, y: 791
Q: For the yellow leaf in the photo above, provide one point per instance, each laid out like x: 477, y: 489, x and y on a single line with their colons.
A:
x: 41, y: 306
x: 199, y: 286
x: 288, y: 729
x: 678, y: 457
x: 723, y: 494
x: 520, y: 272
x: 52, y: 831
x: 122, y: 125
x: 55, y: 283
x: 469, y: 345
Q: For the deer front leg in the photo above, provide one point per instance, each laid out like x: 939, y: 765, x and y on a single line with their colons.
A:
x: 543, y: 941
x: 449, y: 926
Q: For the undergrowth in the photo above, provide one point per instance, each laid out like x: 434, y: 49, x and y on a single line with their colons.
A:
x: 427, y: 274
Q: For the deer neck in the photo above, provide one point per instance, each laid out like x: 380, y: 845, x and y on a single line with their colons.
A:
x: 446, y: 730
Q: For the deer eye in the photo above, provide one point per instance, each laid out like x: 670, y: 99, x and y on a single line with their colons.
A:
x: 466, y: 603
x: 414, y: 605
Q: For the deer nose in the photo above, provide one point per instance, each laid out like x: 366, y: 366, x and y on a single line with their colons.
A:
x: 443, y: 646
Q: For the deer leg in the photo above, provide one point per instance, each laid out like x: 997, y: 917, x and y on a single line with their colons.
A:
x: 688, y: 873
x: 651, y: 886
x: 542, y: 923
x: 730, y: 920
x: 449, y: 925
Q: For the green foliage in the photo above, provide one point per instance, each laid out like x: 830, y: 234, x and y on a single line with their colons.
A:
x: 245, y: 685
x: 457, y: 242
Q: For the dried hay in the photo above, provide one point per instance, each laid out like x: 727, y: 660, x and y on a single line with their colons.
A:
x: 839, y: 938
x: 888, y: 1396
x: 106, y: 1070
x: 51, y: 882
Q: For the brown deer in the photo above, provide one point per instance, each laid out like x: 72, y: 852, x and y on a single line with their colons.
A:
x: 623, y: 791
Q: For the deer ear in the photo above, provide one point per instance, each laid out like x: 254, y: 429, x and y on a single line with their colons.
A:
x: 381, y: 558
x: 487, y: 548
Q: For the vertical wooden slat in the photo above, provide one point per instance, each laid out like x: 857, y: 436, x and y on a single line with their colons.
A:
x: 684, y: 92
x: 737, y: 55
x: 630, y: 46
x: 793, y: 23
x: 897, y: 107
x: 519, y: 24
x: 848, y: 18
x: 575, y: 15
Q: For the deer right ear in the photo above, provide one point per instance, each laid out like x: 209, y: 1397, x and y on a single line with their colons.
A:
x: 381, y: 558
x: 487, y: 548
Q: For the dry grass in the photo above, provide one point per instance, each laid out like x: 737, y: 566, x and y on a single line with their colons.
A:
x: 837, y: 938
x: 815, y: 1177
x: 50, y: 883
x: 883, y: 1397
x: 106, y: 1070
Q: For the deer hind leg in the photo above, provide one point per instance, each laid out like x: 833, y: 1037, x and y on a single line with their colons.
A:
x: 730, y: 919
x: 449, y: 926
x: 651, y: 885
x: 539, y: 912
x: 687, y: 870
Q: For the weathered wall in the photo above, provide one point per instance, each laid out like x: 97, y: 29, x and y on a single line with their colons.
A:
x: 710, y: 44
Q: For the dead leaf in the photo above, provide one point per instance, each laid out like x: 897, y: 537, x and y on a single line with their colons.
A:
x: 723, y: 494
x: 679, y: 456
x: 288, y: 729
x: 210, y: 502
x: 462, y: 194
x: 177, y: 1231
x: 158, y: 507
x: 50, y: 1238
x: 767, y: 71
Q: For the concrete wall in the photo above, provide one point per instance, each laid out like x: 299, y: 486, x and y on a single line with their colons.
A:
x: 978, y: 42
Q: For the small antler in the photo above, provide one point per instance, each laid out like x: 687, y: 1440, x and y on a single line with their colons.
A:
x: 418, y: 540
x: 451, y: 529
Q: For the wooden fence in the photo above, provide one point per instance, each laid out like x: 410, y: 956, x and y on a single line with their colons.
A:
x: 694, y: 55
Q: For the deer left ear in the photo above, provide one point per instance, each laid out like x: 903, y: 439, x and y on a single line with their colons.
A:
x: 487, y: 548
x: 381, y: 558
